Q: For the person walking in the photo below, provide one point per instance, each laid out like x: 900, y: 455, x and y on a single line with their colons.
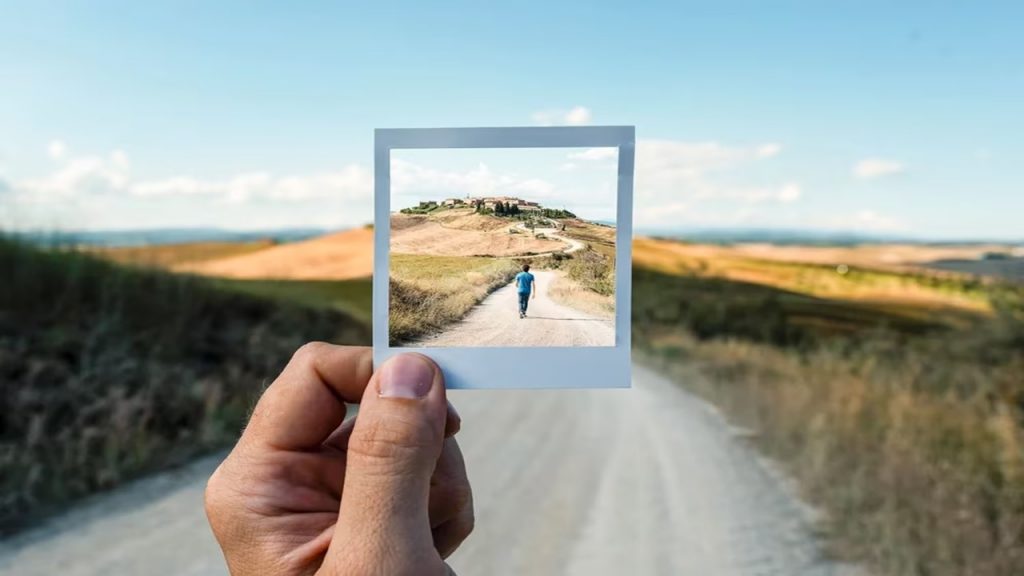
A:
x: 524, y: 287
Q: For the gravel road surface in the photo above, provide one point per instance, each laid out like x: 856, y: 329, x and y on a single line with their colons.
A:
x: 496, y: 322
x: 645, y: 481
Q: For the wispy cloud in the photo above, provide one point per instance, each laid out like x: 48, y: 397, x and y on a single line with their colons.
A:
x: 83, y: 189
x: 674, y: 178
x: 870, y: 168
x: 595, y: 154
x: 576, y: 116
x: 412, y: 180
x: 350, y: 182
x: 75, y: 177
x: 56, y: 149
x: 768, y: 150
x: 97, y: 175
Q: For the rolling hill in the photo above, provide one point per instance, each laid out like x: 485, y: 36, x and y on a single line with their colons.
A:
x: 335, y: 256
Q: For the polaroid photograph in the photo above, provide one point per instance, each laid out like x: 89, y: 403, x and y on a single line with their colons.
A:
x: 506, y: 247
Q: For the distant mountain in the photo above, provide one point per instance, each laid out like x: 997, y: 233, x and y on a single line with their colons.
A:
x: 115, y: 238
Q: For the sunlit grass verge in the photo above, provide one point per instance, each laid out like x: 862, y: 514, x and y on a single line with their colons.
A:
x: 571, y: 293
x: 109, y: 372
x: 430, y: 292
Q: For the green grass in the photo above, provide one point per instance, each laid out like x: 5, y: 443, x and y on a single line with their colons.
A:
x: 108, y: 372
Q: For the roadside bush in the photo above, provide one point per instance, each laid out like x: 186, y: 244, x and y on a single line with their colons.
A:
x: 593, y: 271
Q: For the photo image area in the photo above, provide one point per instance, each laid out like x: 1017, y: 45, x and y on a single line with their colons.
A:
x: 502, y: 247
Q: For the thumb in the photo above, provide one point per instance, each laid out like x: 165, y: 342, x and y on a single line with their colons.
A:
x: 383, y: 522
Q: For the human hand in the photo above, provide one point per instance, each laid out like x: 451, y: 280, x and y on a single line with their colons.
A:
x: 302, y: 493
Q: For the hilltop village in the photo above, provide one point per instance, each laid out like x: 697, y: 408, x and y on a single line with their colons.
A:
x: 496, y: 205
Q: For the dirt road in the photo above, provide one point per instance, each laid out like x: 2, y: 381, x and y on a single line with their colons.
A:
x: 646, y: 481
x: 553, y: 234
x: 496, y: 322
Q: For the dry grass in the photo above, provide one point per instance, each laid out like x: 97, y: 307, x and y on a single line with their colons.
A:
x: 430, y: 292
x: 569, y: 292
x: 168, y: 255
x: 916, y: 478
x: 904, y: 422
x: 588, y: 232
x: 872, y: 286
x: 898, y: 257
x: 590, y: 272
x: 338, y: 256
x: 464, y: 235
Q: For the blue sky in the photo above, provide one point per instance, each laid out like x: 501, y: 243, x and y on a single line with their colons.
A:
x: 866, y: 116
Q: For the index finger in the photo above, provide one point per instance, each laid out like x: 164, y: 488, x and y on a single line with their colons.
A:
x: 306, y: 403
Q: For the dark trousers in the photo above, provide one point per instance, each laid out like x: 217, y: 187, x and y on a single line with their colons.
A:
x: 524, y: 300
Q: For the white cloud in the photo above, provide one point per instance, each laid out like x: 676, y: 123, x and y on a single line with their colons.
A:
x: 576, y: 116
x: 790, y: 192
x: 534, y: 188
x: 98, y: 175
x: 351, y: 182
x: 674, y: 179
x: 97, y: 190
x: 75, y: 177
x: 595, y: 154
x: 870, y: 168
x: 411, y: 179
x: 768, y: 150
x: 56, y: 149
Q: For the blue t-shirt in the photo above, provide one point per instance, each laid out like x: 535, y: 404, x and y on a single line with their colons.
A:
x: 525, y: 281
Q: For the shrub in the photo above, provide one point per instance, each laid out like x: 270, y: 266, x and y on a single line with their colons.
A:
x: 593, y: 271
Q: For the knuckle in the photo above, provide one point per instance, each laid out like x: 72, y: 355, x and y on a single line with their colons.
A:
x: 389, y: 439
x: 214, y: 499
x: 457, y: 496
x: 306, y: 353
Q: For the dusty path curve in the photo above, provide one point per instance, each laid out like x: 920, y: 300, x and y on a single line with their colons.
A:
x: 496, y: 322
x: 574, y: 244
x: 646, y: 481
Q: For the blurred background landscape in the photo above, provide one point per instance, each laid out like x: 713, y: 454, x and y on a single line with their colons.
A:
x: 828, y: 207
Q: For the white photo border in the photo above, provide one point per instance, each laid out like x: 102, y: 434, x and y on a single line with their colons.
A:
x: 494, y: 367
